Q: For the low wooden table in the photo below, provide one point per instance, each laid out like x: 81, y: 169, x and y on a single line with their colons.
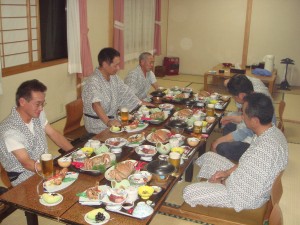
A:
x: 269, y: 80
x: 26, y: 195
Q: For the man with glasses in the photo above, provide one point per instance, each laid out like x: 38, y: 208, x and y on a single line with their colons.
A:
x: 23, y: 133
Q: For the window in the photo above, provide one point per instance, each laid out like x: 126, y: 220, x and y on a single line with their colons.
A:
x: 139, y: 20
x: 20, y: 42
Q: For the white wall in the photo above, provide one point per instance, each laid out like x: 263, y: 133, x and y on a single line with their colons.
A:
x: 205, y: 33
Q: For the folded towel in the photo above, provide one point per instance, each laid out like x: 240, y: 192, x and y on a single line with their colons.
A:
x: 261, y: 72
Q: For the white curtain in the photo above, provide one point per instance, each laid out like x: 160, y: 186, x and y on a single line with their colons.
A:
x: 139, y: 20
x: 73, y: 33
x: 1, y: 90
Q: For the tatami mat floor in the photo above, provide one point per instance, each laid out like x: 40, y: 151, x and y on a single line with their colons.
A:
x: 291, y: 182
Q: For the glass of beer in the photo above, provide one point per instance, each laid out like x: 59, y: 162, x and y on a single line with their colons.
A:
x: 174, y: 159
x: 124, y: 114
x: 210, y: 110
x: 197, y: 127
x: 46, y: 161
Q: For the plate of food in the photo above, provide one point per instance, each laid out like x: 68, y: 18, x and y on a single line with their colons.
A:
x: 146, y: 150
x: 135, y: 127
x: 51, y: 199
x: 99, y: 163
x: 114, y: 196
x: 60, y: 181
x: 91, y: 196
x: 97, y: 217
x: 187, y: 113
x: 116, y: 130
x: 166, y: 106
x: 136, y: 140
x: 120, y: 171
x: 161, y: 135
x: 117, y: 142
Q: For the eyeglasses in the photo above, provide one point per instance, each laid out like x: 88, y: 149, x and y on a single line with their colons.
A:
x: 40, y: 104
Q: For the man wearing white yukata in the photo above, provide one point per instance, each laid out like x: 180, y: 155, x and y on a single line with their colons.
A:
x: 142, y: 78
x: 104, y: 93
x: 246, y: 185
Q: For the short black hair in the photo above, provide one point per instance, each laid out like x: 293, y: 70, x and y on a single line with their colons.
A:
x: 260, y: 106
x: 25, y: 89
x: 239, y: 83
x: 107, y: 55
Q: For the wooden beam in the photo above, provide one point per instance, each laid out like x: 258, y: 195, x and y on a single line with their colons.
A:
x: 247, y: 33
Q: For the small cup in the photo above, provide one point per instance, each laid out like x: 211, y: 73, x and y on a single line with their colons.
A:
x: 174, y: 142
x: 163, y: 157
x: 197, y: 127
x: 46, y: 161
x: 95, y: 144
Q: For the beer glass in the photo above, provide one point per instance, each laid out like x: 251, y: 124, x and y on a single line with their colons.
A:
x: 46, y: 161
x: 197, y: 127
x: 124, y: 115
x: 174, y: 159
x: 210, y: 110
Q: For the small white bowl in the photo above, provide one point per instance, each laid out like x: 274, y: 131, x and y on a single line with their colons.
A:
x: 64, y: 162
x: 192, y: 141
x: 210, y: 119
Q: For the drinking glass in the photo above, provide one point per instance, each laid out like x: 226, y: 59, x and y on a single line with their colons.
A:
x: 46, y: 161
x: 124, y: 114
x: 174, y: 159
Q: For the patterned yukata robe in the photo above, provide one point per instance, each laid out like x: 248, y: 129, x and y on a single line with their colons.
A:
x: 249, y: 186
x: 35, y: 144
x: 139, y: 83
x: 112, y: 95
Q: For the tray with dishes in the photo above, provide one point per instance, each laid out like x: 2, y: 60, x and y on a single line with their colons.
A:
x: 136, y: 140
x: 152, y: 115
x: 121, y: 170
x: 135, y: 126
x: 177, y: 95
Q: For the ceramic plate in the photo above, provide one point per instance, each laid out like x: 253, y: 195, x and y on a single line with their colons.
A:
x: 70, y: 178
x: 93, y: 222
x: 116, y: 142
x: 116, y: 132
x: 135, y: 144
x: 112, y: 158
x: 149, y: 137
x: 166, y: 106
x: 86, y: 201
x: 139, y: 128
x: 51, y: 204
x: 106, y: 175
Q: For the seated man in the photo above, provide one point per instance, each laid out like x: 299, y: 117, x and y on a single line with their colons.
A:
x: 236, y: 136
x: 104, y: 93
x: 141, y: 78
x: 246, y: 185
x: 23, y: 133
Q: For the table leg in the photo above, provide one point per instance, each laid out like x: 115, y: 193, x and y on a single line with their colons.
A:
x: 189, y: 172
x: 31, y: 218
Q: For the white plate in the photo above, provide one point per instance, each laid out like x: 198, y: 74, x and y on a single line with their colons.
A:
x: 135, y: 144
x: 51, y: 204
x: 49, y: 187
x: 87, y: 201
x: 153, y: 142
x: 116, y: 132
x: 93, y: 222
x: 176, y: 114
x: 119, y: 139
x: 107, y: 177
x: 140, y: 152
x: 105, y: 199
x: 112, y: 158
x: 128, y: 130
x: 166, y: 106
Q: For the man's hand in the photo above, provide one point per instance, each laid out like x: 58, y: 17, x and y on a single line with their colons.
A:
x: 218, y: 177
x: 231, y: 119
x: 115, y: 123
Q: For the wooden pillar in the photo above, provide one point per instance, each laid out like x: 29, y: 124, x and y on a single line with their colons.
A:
x: 247, y: 33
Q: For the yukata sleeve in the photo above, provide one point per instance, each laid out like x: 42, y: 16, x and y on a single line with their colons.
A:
x: 132, y: 82
x: 152, y: 78
x: 127, y: 96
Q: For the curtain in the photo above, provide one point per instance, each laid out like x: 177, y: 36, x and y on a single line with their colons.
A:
x: 157, y: 28
x: 139, y: 18
x: 86, y: 58
x: 73, y: 34
x: 119, y: 29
